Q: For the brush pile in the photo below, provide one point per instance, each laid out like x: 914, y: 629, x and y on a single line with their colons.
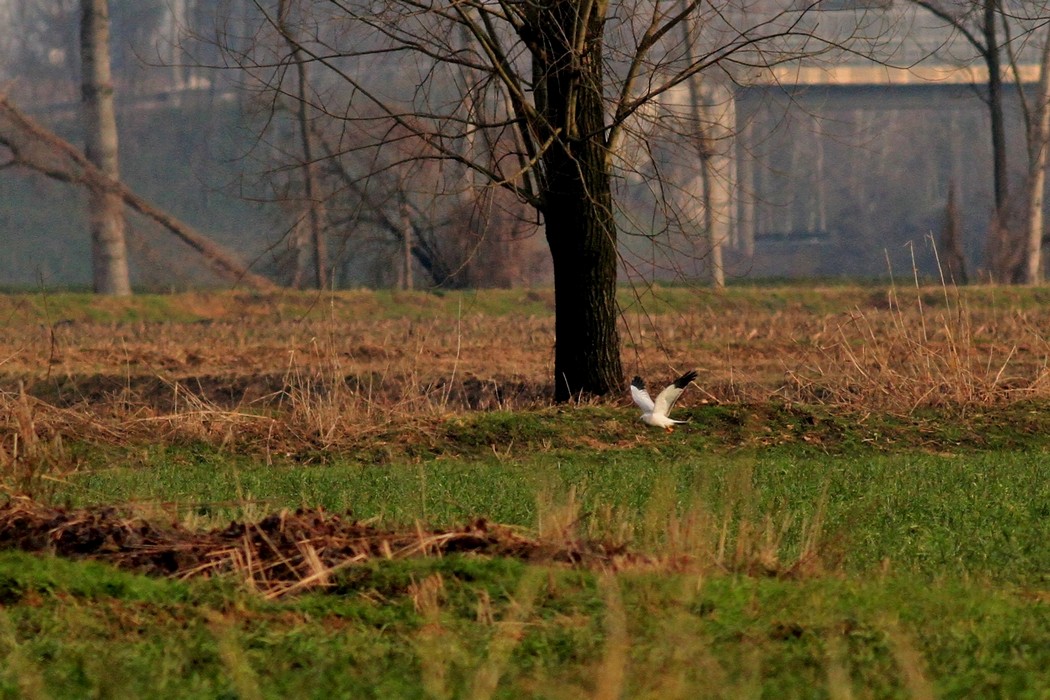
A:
x: 282, y: 553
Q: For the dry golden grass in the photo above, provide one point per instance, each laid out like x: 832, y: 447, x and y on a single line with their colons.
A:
x: 928, y: 350
x: 250, y: 371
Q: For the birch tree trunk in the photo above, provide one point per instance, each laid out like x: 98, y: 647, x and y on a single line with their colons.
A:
x: 1037, y: 157
x: 715, y: 162
x: 109, y: 253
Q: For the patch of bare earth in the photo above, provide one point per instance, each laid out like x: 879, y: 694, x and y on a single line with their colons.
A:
x: 290, y: 552
x: 282, y: 553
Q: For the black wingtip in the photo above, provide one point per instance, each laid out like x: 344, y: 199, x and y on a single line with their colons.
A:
x: 638, y: 383
x: 683, y: 381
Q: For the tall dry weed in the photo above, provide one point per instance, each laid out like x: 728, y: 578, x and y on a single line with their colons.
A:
x: 689, y: 532
x: 611, y: 676
x: 925, y: 347
x: 33, y: 457
x: 435, y: 645
x: 507, y: 635
x: 910, y: 663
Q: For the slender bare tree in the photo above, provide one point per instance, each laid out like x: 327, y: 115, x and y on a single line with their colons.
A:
x: 109, y: 253
x: 996, y: 29
x: 1036, y: 115
x: 315, y: 244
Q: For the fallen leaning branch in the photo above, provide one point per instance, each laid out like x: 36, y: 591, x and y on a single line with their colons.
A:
x: 35, y: 147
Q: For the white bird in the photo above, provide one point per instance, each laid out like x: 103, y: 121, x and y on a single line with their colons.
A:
x: 655, y: 412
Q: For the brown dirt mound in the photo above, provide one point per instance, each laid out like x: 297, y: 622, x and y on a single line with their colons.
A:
x: 282, y: 553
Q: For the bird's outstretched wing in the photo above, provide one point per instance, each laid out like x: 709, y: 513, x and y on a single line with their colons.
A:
x: 641, y: 396
x: 666, y: 398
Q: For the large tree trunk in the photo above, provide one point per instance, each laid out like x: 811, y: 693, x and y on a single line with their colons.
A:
x: 582, y: 239
x: 109, y: 253
x: 577, y: 197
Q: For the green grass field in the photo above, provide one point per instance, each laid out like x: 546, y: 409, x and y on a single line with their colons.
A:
x: 780, y: 548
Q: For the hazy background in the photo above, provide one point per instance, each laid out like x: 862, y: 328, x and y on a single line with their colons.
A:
x: 841, y: 188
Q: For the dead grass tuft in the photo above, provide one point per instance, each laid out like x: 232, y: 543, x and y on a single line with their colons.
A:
x: 699, y: 542
x: 928, y: 347
x: 32, y: 454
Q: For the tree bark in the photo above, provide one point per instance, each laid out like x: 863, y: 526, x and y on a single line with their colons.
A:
x: 406, y: 249
x: 995, y: 108
x: 576, y: 196
x: 109, y: 253
x: 582, y: 240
